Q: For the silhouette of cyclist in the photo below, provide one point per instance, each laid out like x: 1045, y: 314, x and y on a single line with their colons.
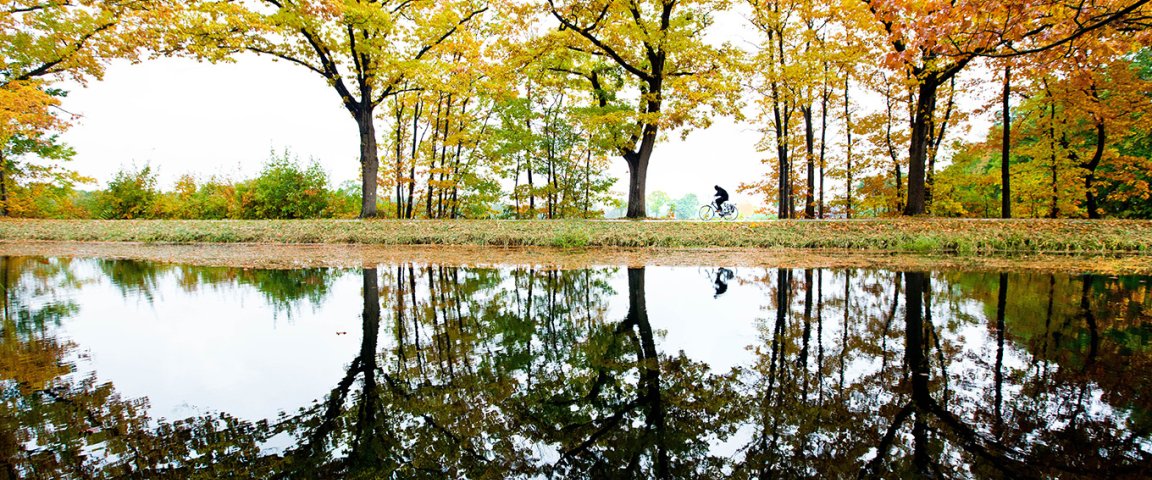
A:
x: 721, y: 282
x: 721, y: 197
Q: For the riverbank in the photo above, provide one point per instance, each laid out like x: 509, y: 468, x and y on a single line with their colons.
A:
x: 280, y: 256
x: 944, y: 236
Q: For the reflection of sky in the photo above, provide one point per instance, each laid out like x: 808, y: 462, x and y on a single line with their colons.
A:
x: 217, y: 349
x: 711, y: 330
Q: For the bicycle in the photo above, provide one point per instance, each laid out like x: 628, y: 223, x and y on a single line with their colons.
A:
x: 727, y: 211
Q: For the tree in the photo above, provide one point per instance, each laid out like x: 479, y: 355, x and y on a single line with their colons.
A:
x: 932, y: 43
x: 367, y: 51
x: 681, y: 80
x: 32, y: 183
x: 45, y: 41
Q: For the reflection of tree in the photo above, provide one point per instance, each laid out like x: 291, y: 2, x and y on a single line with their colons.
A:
x: 618, y: 418
x: 480, y: 378
x: 956, y: 401
x: 514, y: 373
x: 281, y: 288
x: 55, y: 423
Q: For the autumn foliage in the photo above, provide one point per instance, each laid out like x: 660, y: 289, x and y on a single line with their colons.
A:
x: 479, y: 109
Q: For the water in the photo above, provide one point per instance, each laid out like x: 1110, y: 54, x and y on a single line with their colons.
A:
x: 112, y: 368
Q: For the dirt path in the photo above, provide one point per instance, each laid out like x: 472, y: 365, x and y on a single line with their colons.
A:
x: 296, y: 256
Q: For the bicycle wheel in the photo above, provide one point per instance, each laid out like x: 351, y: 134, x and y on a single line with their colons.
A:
x: 731, y: 214
x: 707, y: 212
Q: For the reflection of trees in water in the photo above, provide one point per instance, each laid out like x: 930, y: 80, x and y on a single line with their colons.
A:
x: 55, y: 423
x: 491, y: 374
x: 924, y: 395
x: 283, y: 289
x: 486, y: 373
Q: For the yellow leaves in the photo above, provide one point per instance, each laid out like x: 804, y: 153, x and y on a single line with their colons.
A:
x: 25, y: 109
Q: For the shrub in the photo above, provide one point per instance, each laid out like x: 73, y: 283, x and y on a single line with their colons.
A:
x: 215, y: 199
x: 130, y: 194
x: 344, y: 202
x: 284, y: 190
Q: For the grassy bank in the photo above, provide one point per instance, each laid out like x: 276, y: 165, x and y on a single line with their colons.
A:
x: 897, y: 235
x: 289, y: 256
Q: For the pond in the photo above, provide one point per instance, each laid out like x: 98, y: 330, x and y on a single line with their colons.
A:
x: 113, y: 368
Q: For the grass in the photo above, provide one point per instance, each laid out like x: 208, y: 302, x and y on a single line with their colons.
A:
x: 950, y: 236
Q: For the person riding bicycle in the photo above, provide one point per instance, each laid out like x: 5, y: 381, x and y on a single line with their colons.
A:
x: 721, y: 197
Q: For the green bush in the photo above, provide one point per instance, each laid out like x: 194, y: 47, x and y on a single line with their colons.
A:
x: 130, y: 194
x: 344, y: 202
x: 285, y: 190
x: 214, y: 199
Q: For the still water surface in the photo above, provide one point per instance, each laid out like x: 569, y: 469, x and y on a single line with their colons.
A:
x: 113, y: 368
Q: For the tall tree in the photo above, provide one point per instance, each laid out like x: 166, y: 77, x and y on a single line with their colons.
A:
x: 933, y: 42
x: 682, y: 80
x: 367, y: 51
x: 1006, y: 148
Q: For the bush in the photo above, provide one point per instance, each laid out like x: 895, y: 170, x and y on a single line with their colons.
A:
x: 344, y: 202
x: 284, y: 190
x: 130, y: 194
x: 215, y: 199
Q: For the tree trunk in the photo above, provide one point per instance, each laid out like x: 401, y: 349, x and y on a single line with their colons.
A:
x: 412, y: 169
x: 369, y: 161
x: 3, y: 186
x: 810, y: 150
x: 432, y: 166
x: 588, y: 182
x: 1054, y: 211
x: 531, y: 188
x: 936, y: 140
x: 899, y: 192
x: 918, y: 149
x: 899, y: 188
x: 1006, y: 150
x: 848, y: 154
x: 823, y: 140
x: 399, y: 159
x: 784, y: 183
x: 638, y: 172
x: 516, y: 188
x: 1090, y: 179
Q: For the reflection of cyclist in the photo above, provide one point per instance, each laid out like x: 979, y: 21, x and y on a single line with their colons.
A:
x: 721, y: 197
x: 721, y: 283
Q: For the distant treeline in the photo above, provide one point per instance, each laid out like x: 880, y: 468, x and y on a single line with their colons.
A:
x: 284, y: 188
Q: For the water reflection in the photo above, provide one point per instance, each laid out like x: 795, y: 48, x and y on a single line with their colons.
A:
x: 543, y: 373
x: 720, y: 284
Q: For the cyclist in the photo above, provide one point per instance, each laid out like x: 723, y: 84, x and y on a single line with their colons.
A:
x: 721, y: 197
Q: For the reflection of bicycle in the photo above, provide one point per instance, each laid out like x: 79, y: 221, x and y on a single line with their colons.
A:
x: 727, y: 211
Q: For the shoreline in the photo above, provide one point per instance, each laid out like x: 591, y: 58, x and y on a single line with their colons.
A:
x: 965, y: 237
x: 282, y: 256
